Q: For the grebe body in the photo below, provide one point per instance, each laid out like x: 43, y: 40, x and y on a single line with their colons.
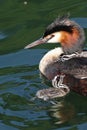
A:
x: 51, y: 64
x: 71, y: 37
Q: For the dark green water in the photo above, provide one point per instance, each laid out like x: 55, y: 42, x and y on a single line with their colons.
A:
x: 20, y: 24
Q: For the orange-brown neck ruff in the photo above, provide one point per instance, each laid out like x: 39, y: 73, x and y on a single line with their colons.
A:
x: 70, y: 41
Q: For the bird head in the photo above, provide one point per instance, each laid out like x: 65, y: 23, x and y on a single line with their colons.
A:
x: 64, y: 31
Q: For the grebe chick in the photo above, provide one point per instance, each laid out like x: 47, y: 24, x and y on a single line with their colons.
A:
x: 71, y: 37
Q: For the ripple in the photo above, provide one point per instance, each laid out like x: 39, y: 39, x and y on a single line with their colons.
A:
x: 2, y: 36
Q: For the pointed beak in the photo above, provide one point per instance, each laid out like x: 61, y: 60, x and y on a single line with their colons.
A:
x: 38, y: 42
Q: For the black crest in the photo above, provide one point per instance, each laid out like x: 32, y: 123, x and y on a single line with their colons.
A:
x: 62, y: 23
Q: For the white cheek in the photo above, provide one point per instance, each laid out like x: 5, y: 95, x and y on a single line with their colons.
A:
x: 55, y: 39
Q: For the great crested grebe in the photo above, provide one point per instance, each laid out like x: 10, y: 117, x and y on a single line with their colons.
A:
x: 70, y: 57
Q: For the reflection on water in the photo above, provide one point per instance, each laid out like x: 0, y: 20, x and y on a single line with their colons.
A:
x: 66, y: 110
x: 62, y: 111
x: 20, y: 24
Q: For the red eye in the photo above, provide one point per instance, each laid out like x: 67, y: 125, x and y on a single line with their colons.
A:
x: 52, y: 36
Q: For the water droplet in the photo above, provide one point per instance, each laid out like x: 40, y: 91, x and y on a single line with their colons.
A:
x: 25, y: 2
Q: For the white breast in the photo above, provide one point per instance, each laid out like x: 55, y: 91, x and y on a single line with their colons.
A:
x: 46, y: 64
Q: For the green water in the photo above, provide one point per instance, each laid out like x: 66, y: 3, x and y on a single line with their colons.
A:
x: 20, y: 24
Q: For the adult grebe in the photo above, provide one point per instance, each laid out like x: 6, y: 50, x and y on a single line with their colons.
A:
x: 70, y: 58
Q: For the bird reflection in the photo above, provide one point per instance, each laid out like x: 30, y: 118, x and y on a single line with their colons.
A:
x: 71, y: 109
x: 62, y: 111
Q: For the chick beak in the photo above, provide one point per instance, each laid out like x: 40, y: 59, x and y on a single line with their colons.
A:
x: 39, y: 41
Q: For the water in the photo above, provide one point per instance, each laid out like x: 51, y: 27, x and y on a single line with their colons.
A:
x: 22, y: 22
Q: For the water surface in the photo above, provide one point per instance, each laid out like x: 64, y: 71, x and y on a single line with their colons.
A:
x: 22, y: 22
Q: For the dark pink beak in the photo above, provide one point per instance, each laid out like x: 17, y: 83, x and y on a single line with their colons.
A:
x: 39, y: 41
